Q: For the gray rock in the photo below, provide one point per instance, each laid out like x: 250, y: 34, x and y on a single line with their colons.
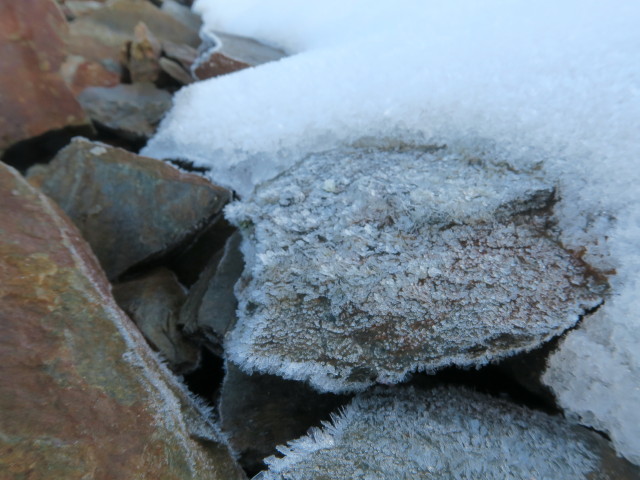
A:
x: 259, y: 412
x: 210, y: 309
x: 153, y: 302
x: 129, y: 208
x: 447, y: 434
x: 229, y: 53
x: 130, y: 111
x: 366, y: 264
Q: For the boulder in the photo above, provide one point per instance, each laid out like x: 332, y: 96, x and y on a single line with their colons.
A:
x: 447, y: 434
x: 153, y: 302
x: 34, y: 98
x: 82, y: 396
x: 366, y: 264
x: 129, y: 208
x: 130, y: 111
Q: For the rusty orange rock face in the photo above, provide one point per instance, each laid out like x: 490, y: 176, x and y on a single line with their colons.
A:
x: 33, y: 96
x: 81, y: 396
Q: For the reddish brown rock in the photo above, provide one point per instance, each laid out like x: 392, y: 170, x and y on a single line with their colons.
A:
x: 34, y: 98
x: 79, y: 73
x: 81, y: 394
x: 230, y: 53
x: 129, y: 208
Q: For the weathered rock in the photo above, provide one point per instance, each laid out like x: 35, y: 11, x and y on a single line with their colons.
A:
x: 142, y: 55
x: 176, y: 71
x: 79, y: 73
x: 230, y: 53
x: 130, y: 111
x: 210, y: 310
x: 33, y: 96
x: 153, y: 302
x: 76, y: 8
x: 366, y: 264
x: 447, y: 434
x: 82, y: 396
x: 129, y: 208
x: 183, y: 14
x: 260, y: 412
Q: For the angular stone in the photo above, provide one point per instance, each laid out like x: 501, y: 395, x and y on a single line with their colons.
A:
x: 259, y: 412
x: 33, y: 96
x: 82, y: 396
x: 153, y: 302
x: 129, y: 208
x: 210, y: 310
x: 130, y: 111
x: 143, y: 55
x: 364, y: 265
x: 231, y: 53
x: 448, y: 434
x: 176, y: 71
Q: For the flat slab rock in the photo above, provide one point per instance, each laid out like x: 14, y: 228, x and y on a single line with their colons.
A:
x: 129, y: 208
x: 447, y: 434
x: 366, y: 264
x: 81, y: 395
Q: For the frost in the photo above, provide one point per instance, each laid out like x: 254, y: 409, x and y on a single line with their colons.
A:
x: 444, y: 434
x: 412, y: 258
x: 552, y: 81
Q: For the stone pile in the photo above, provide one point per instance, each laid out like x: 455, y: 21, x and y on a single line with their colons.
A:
x: 127, y: 283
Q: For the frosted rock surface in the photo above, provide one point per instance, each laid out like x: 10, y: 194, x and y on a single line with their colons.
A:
x: 547, y: 80
x: 446, y: 434
x: 366, y: 264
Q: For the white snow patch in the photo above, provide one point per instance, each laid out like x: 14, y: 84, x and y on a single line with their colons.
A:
x: 552, y: 81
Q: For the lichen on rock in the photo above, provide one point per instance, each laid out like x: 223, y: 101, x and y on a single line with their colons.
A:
x: 364, y: 264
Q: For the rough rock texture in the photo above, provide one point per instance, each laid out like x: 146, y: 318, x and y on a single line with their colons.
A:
x: 153, y: 302
x: 128, y: 207
x: 210, y: 309
x: 447, y: 434
x: 231, y: 53
x: 259, y: 412
x: 79, y: 73
x: 130, y: 111
x: 143, y: 55
x: 81, y: 395
x: 34, y: 98
x: 366, y: 264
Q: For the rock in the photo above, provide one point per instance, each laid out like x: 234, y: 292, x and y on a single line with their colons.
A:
x: 142, y: 55
x: 364, y: 265
x: 130, y: 111
x: 230, y: 53
x: 81, y: 395
x: 175, y: 71
x: 259, y: 412
x: 77, y: 8
x: 129, y: 208
x: 183, y: 14
x: 80, y: 73
x: 448, y: 434
x: 210, y: 310
x: 153, y: 302
x: 34, y: 99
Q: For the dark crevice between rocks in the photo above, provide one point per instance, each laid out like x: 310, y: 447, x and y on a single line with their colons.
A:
x: 187, y: 165
x: 206, y: 380
x: 43, y: 148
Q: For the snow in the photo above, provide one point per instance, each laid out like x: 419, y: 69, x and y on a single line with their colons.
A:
x: 442, y: 433
x: 552, y: 81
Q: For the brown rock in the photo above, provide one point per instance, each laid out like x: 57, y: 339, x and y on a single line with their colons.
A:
x: 79, y: 73
x: 129, y: 208
x: 153, y: 302
x: 260, y: 412
x: 231, y: 53
x: 33, y: 96
x: 175, y: 71
x: 81, y: 394
x: 142, y: 55
x: 130, y: 111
